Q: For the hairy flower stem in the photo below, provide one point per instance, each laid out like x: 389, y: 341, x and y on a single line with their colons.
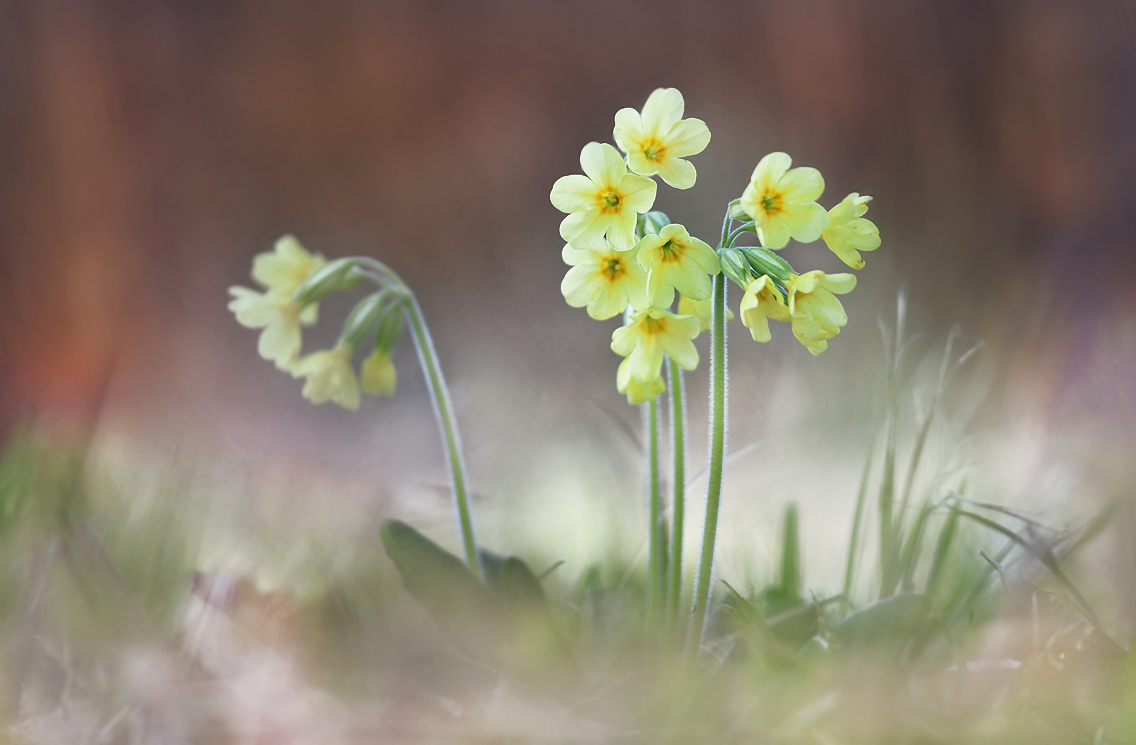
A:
x: 655, y: 547
x: 678, y: 506
x: 451, y: 441
x: 717, y: 453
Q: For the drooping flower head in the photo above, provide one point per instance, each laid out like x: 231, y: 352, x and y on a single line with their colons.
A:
x: 605, y: 281
x: 657, y: 140
x: 605, y: 201
x: 378, y: 375
x: 674, y: 260
x: 281, y: 272
x: 330, y: 376
x: 636, y: 392
x: 849, y: 232
x: 762, y: 301
x: 650, y: 334
x: 782, y: 202
x: 816, y: 313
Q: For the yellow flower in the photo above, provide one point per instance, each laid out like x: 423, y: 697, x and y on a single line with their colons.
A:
x: 817, y: 314
x: 378, y: 375
x: 848, y: 232
x: 636, y: 392
x: 605, y: 281
x: 657, y: 140
x: 285, y: 269
x: 762, y: 301
x: 782, y: 202
x: 700, y: 309
x: 674, y: 260
x: 330, y: 376
x: 607, y: 200
x: 649, y: 335
x: 281, y: 272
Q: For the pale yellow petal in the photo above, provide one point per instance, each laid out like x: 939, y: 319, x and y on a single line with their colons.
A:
x: 688, y: 137
x: 804, y: 221
x: 677, y: 173
x: 584, y: 230
x: 802, y: 185
x: 602, y: 163
x: 573, y: 193
x: 628, y: 129
x: 769, y: 169
x: 664, y: 107
x: 637, y: 193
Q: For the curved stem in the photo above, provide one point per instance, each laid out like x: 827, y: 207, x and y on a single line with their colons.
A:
x: 443, y: 409
x: 717, y: 453
x: 678, y: 506
x: 655, y: 583
x: 737, y: 233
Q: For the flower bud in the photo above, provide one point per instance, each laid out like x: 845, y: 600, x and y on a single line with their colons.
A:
x: 738, y: 212
x: 764, y: 261
x: 362, y: 319
x: 390, y: 328
x: 735, y: 266
x: 650, y: 223
x: 332, y: 277
x: 378, y: 375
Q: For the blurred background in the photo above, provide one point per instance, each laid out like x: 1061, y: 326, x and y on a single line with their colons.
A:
x: 148, y: 150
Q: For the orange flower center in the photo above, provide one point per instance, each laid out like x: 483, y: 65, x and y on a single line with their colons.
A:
x: 612, y: 268
x: 771, y: 202
x: 654, y: 151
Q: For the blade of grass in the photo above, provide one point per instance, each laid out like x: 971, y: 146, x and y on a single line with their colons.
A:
x: 1048, y: 560
x: 942, y: 550
x: 909, y: 557
x: 790, y: 552
x: 854, y: 539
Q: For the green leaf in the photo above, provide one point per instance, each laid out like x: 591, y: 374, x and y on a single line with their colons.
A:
x: 465, y: 609
x: 888, y: 621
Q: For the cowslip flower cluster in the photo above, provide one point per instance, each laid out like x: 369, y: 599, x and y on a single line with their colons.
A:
x: 627, y: 260
x: 777, y: 205
x: 631, y: 261
x: 295, y: 281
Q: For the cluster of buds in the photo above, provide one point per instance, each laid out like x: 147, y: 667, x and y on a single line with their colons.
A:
x: 294, y: 281
x: 629, y: 260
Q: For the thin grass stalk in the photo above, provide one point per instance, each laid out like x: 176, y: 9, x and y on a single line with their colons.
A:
x: 717, y: 454
x: 909, y: 557
x: 678, y: 502
x: 655, y: 546
x: 451, y: 440
x: 942, y: 550
x: 854, y: 539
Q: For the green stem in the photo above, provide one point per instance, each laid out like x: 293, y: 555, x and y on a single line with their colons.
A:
x: 678, y: 506
x: 655, y: 578
x: 738, y: 231
x: 717, y: 453
x: 443, y: 409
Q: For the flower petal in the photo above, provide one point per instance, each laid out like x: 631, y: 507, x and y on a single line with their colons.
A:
x: 573, y: 193
x: 802, y: 185
x: 678, y: 173
x: 663, y: 109
x: 805, y: 221
x: 637, y: 193
x: 688, y: 137
x: 769, y: 169
x: 603, y: 163
x: 628, y: 129
x: 584, y: 230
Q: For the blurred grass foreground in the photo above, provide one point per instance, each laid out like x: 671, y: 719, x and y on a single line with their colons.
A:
x: 125, y: 621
